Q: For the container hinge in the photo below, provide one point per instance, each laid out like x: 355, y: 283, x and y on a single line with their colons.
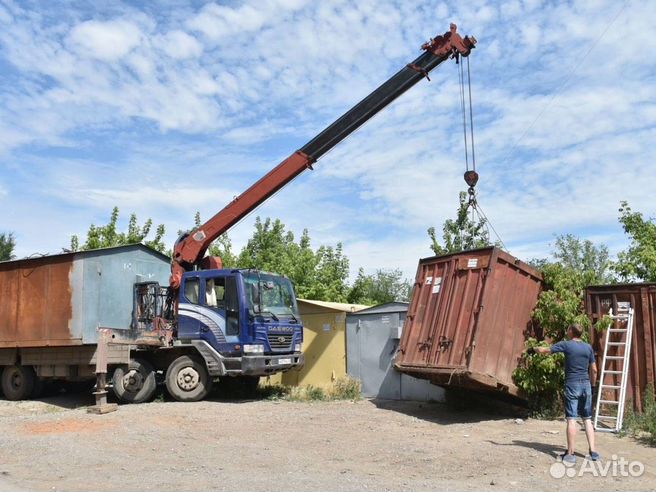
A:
x: 445, y: 343
x: 425, y: 345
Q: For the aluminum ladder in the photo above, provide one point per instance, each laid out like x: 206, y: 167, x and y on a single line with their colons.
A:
x: 617, y: 354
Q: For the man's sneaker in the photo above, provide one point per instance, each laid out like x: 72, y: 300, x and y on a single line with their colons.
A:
x: 594, y: 456
x: 569, y: 458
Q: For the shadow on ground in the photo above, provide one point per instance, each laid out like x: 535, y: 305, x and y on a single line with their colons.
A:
x: 64, y: 399
x: 551, y: 450
x: 461, y: 406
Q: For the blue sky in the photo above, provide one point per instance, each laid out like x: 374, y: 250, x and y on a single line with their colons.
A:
x: 171, y: 108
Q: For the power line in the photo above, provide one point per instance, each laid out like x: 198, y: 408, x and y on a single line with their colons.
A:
x: 569, y: 76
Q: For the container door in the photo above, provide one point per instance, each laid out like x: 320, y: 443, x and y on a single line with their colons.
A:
x: 456, y: 298
x: 420, y: 329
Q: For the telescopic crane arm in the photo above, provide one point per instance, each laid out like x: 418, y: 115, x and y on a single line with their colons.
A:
x: 190, y: 248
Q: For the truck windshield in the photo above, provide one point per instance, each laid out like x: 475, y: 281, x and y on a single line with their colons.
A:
x: 269, y: 295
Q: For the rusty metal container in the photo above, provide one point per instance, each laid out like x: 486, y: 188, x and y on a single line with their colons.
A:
x: 467, y: 319
x: 61, y: 300
x: 642, y: 298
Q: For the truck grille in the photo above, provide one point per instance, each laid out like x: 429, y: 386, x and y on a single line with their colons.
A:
x: 280, y: 342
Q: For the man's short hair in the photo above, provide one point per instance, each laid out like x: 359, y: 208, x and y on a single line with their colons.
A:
x: 576, y: 328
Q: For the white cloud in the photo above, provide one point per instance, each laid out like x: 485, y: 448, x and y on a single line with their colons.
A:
x: 108, y: 41
x: 217, y: 21
x: 561, y: 137
x: 180, y: 45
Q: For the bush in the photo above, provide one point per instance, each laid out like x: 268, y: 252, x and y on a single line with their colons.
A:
x: 313, y: 393
x: 346, y: 388
x: 542, y: 378
x: 642, y: 426
x: 559, y: 305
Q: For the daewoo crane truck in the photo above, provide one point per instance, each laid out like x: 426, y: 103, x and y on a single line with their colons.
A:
x: 63, y: 316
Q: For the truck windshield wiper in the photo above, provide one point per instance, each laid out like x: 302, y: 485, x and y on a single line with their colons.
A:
x: 263, y: 311
x: 294, y: 318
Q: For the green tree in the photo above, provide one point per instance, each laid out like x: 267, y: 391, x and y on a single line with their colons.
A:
x: 271, y: 248
x: 583, y: 256
x: 577, y: 264
x: 7, y: 246
x: 561, y: 302
x: 465, y: 232
x: 108, y: 235
x: 638, y: 262
x: 320, y: 275
x: 331, y: 275
x: 379, y: 288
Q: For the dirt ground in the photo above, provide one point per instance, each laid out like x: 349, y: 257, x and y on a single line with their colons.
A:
x: 53, y: 444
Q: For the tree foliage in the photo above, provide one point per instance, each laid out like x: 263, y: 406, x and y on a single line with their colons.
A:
x: 108, y: 235
x: 561, y: 302
x: 320, y: 274
x: 7, y: 246
x: 577, y: 264
x: 379, y: 288
x: 462, y: 233
x: 638, y: 262
x: 583, y: 256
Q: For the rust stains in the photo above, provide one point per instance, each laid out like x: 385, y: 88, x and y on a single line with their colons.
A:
x: 36, y: 308
x: 467, y: 319
x: 642, y: 298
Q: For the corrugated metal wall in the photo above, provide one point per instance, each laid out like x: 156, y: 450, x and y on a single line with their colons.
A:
x: 62, y: 299
x: 642, y: 297
x: 372, y: 338
x: 467, y: 319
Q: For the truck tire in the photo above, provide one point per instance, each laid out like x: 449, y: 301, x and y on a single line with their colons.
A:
x: 187, y: 379
x: 18, y: 382
x: 137, y: 384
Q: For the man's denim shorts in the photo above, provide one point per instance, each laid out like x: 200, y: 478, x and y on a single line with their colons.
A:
x: 578, y: 399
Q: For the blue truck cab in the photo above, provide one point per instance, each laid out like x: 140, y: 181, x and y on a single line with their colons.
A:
x: 243, y: 322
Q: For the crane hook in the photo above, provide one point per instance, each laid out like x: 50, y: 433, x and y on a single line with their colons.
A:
x: 471, y: 178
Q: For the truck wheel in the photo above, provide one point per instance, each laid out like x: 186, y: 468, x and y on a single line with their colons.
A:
x: 18, y: 382
x: 187, y: 379
x: 137, y: 384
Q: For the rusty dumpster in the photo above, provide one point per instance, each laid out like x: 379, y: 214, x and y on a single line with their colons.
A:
x: 642, y: 298
x: 467, y: 320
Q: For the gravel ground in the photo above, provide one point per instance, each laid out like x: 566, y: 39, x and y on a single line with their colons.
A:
x: 54, y: 444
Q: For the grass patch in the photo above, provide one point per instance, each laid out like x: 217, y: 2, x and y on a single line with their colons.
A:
x: 345, y: 388
x: 642, y: 426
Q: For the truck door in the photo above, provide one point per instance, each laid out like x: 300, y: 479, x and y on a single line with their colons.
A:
x: 219, y: 310
x: 188, y: 316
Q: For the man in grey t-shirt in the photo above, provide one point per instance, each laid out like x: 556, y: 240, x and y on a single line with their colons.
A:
x: 580, y: 369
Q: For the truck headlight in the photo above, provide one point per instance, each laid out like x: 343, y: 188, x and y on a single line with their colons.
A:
x: 298, y: 347
x: 254, y: 349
